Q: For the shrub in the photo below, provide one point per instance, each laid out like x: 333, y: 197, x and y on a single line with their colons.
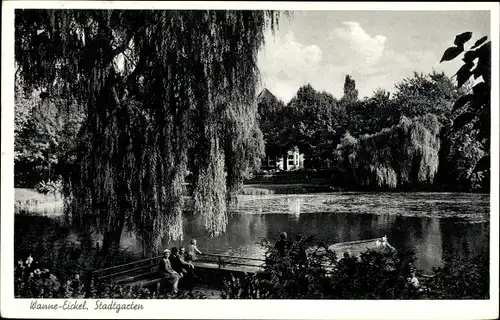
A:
x: 381, y: 274
x: 464, y: 278
x: 32, y: 281
x: 51, y: 188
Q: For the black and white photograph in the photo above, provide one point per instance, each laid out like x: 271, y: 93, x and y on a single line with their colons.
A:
x: 294, y: 158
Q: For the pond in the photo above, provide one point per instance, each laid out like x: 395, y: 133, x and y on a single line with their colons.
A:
x: 433, y: 225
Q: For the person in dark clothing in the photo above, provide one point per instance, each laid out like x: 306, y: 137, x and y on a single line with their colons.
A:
x: 181, y: 266
x: 178, y: 263
x: 183, y: 254
x: 298, y: 250
x: 282, y: 244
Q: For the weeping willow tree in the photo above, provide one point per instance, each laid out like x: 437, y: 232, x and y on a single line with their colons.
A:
x: 403, y: 155
x: 149, y: 79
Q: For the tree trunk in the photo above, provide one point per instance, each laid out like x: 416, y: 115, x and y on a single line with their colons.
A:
x: 143, y: 245
x: 48, y: 169
x: 111, y: 241
x: 285, y: 161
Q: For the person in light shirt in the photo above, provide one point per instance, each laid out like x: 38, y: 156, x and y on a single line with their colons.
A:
x: 414, y: 280
x: 168, y: 274
x: 193, y: 250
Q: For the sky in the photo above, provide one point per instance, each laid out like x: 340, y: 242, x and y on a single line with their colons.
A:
x: 377, y: 48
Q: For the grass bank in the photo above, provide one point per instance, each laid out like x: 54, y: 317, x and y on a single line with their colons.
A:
x: 266, y: 189
x: 31, y: 200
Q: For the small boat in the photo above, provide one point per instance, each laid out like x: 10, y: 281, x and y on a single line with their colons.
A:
x: 354, y: 248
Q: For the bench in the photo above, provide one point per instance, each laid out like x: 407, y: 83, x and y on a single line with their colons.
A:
x: 144, y: 273
x: 129, y: 272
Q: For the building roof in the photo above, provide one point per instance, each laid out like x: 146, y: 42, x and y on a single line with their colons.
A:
x: 265, y: 94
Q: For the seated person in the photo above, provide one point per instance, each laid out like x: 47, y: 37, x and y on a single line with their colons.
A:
x: 179, y: 265
x: 183, y: 254
x: 413, y: 281
x: 168, y: 274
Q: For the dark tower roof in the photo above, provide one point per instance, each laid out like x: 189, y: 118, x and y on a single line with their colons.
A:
x: 265, y: 95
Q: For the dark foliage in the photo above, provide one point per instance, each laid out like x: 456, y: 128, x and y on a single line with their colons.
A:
x: 474, y: 107
x: 372, y: 275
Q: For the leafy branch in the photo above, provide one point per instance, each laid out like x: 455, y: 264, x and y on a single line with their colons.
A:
x: 475, y: 106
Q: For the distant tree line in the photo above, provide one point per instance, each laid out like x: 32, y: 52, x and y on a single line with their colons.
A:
x: 45, y: 133
x: 407, y: 139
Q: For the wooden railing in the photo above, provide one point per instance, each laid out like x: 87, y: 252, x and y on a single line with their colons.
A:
x: 123, y: 269
x: 149, y: 266
x: 223, y: 260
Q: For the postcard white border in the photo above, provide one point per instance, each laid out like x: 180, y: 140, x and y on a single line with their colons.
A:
x: 228, y: 309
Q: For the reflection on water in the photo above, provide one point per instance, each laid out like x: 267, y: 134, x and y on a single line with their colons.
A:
x: 473, y: 207
x: 294, y: 206
x: 432, y: 225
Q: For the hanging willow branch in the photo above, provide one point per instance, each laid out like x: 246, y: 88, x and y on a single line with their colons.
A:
x: 405, y: 154
x: 154, y: 84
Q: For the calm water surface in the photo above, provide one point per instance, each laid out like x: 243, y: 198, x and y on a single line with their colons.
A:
x: 432, y: 224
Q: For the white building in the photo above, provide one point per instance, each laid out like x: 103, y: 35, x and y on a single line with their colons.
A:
x: 294, y: 161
